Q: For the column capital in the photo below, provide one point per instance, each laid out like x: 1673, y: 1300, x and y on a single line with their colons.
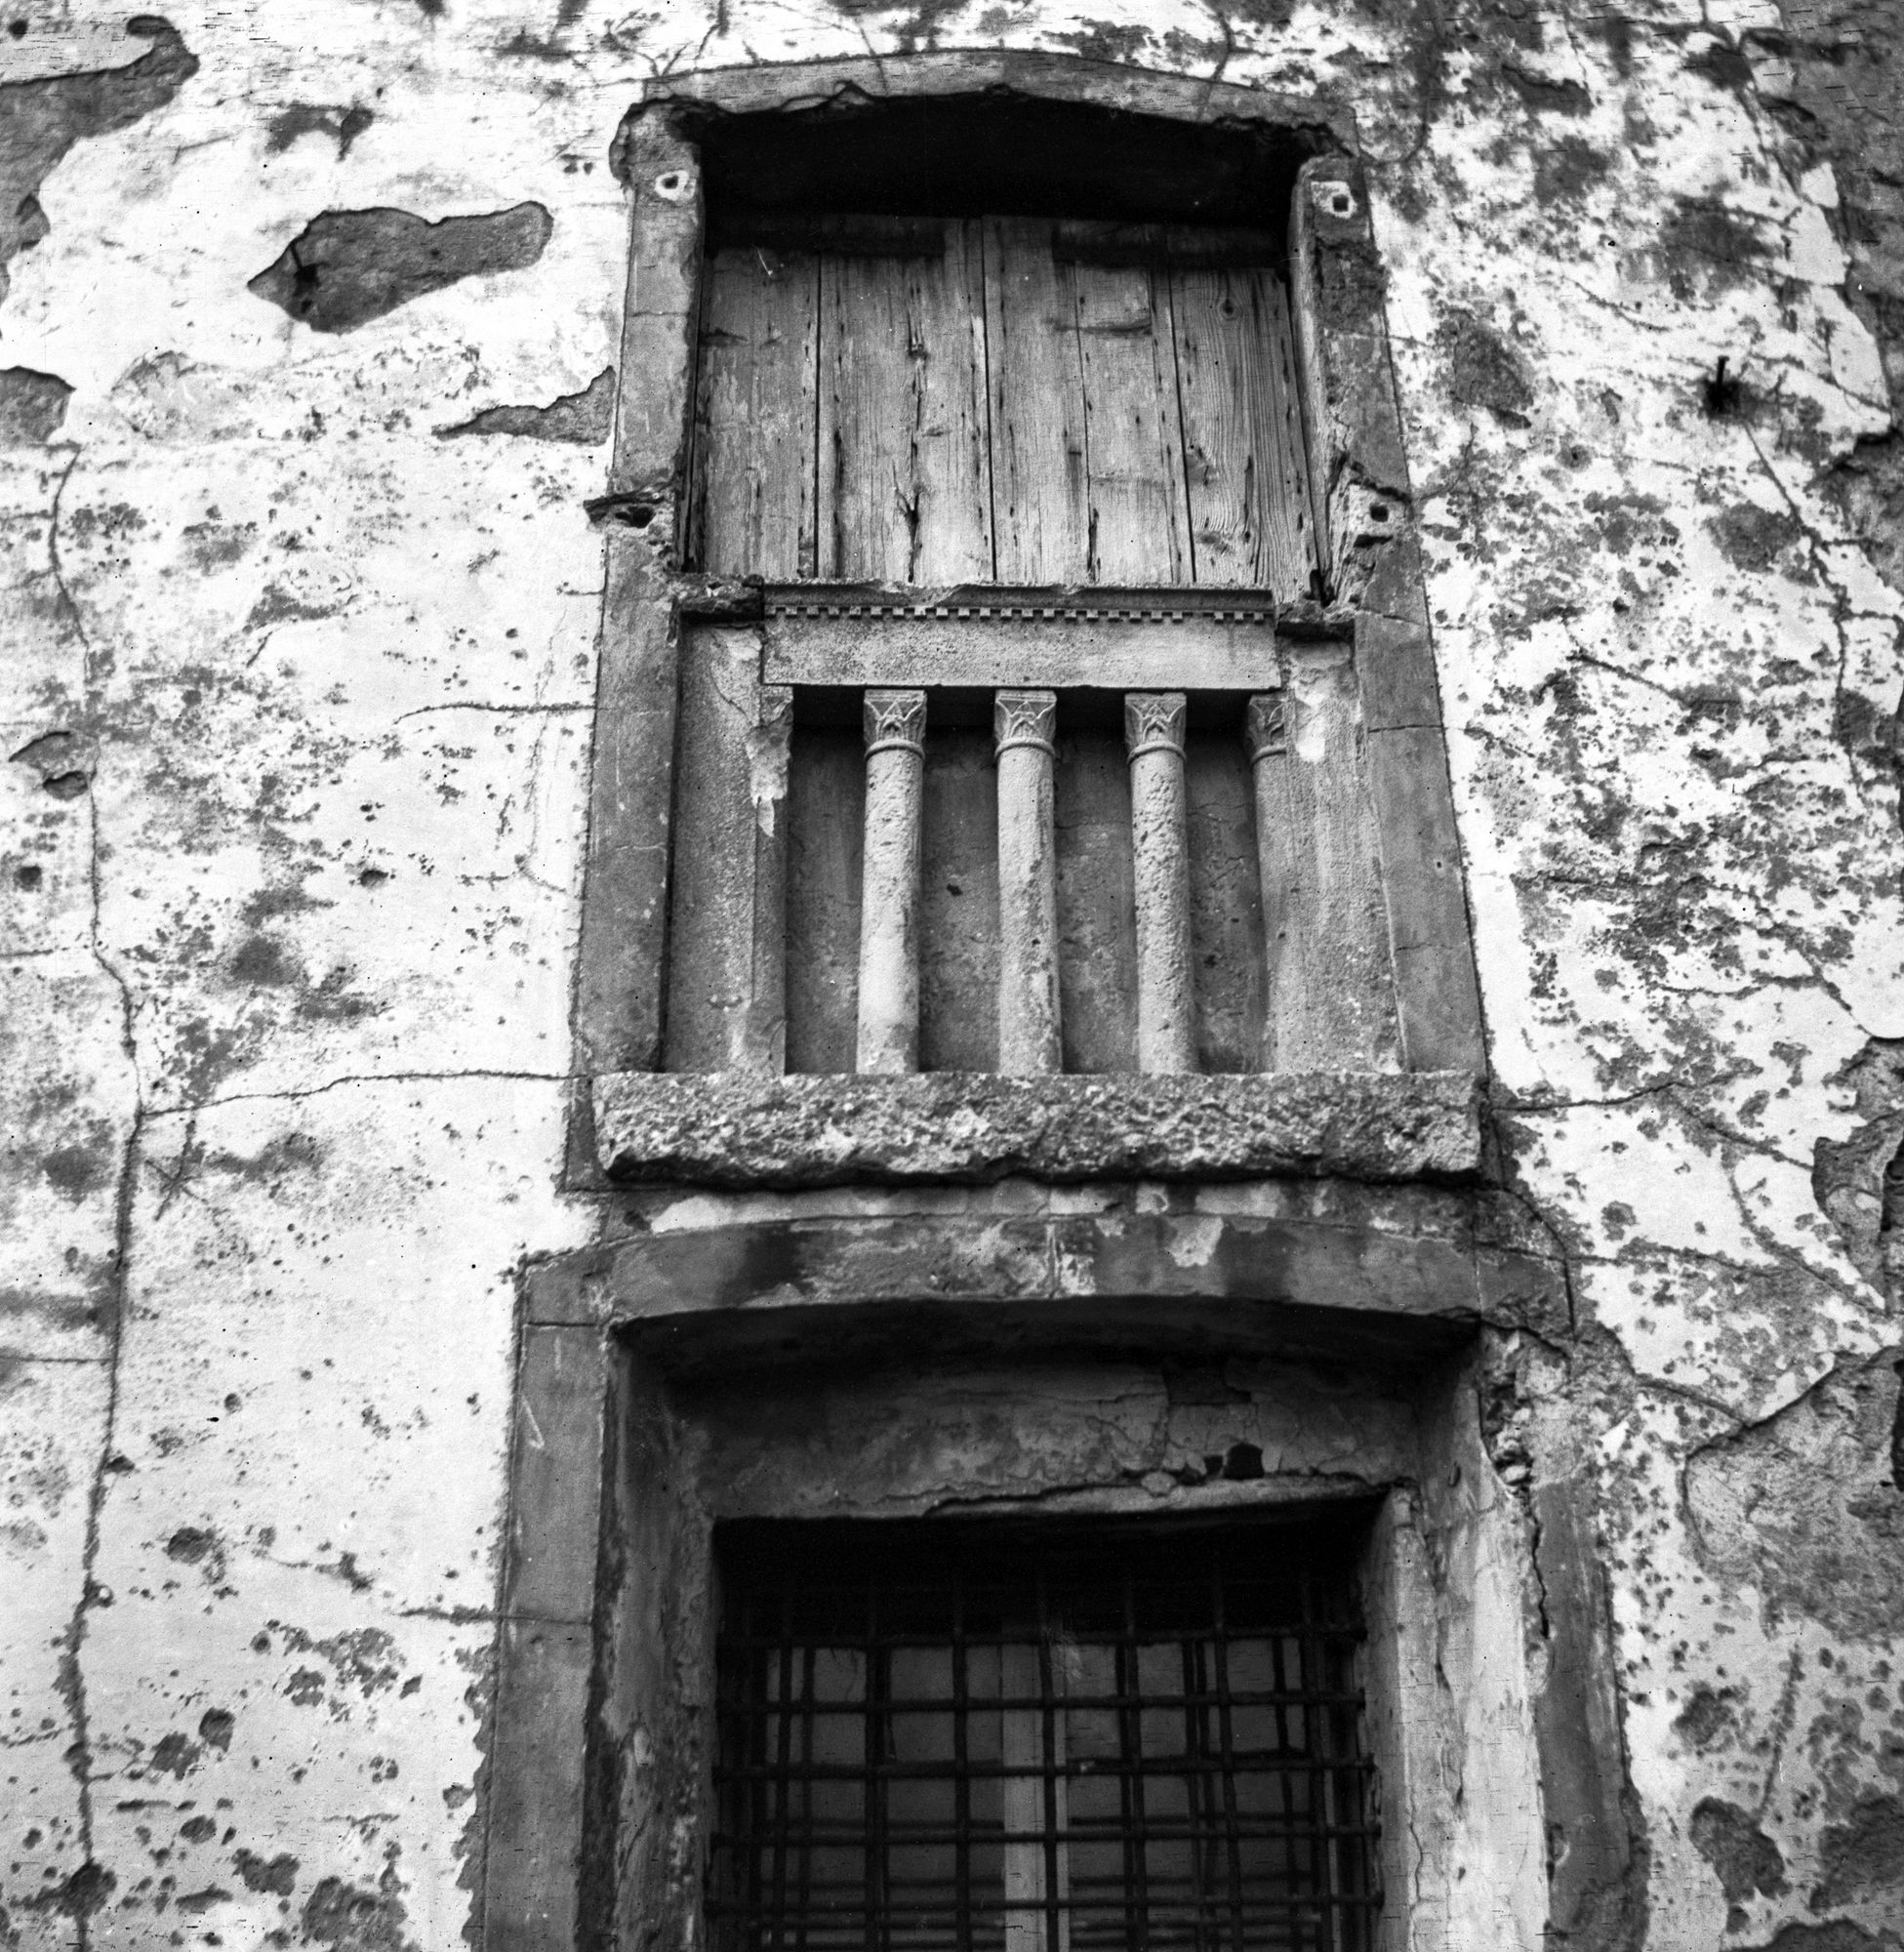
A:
x: 894, y: 720
x: 1265, y: 726
x: 1024, y: 718
x: 1153, y: 722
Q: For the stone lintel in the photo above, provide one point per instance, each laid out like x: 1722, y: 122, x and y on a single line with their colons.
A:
x: 1402, y: 1275
x: 739, y: 1131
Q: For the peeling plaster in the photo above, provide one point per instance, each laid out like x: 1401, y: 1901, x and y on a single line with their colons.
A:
x: 584, y: 417
x: 300, y: 701
x: 349, y: 266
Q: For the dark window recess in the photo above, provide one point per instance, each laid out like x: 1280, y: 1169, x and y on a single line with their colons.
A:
x: 958, y: 932
x: 1039, y: 1740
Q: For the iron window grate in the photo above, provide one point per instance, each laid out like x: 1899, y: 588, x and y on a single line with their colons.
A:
x: 952, y: 1739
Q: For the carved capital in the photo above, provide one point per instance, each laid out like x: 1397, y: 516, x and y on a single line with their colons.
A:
x: 894, y: 720
x: 1024, y: 718
x: 1264, y: 727
x: 1153, y: 722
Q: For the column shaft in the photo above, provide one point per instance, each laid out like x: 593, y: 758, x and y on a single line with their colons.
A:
x: 889, y: 883
x: 1024, y: 724
x: 1160, y: 832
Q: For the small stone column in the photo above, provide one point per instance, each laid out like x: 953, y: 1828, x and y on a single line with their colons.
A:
x: 1024, y: 724
x: 889, y: 883
x: 1159, y: 834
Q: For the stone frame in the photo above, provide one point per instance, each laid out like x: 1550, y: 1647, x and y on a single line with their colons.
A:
x: 1361, y: 491
x: 598, y: 1583
x: 1382, y: 1244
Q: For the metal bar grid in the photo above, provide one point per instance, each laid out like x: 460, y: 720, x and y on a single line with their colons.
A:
x: 940, y: 1739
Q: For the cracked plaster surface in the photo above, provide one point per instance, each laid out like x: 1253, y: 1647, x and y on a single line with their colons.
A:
x: 296, y: 962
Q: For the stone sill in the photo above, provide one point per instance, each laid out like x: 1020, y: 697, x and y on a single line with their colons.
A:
x: 737, y: 1129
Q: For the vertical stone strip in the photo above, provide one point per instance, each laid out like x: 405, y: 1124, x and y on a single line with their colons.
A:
x: 761, y: 1043
x: 1159, y: 834
x: 618, y: 1010
x: 889, y: 887
x: 1024, y: 724
x: 1266, y: 738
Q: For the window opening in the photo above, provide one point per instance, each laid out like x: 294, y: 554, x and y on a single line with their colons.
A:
x: 1016, y: 431
x: 1039, y: 1740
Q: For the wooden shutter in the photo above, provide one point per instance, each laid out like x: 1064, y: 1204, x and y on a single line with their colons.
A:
x: 1001, y: 399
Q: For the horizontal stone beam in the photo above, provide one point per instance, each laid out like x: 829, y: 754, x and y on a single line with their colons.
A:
x: 736, y: 1130
x: 1359, y: 1274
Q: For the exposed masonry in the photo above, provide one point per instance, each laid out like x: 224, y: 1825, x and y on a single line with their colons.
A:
x: 46, y: 117
x: 230, y: 816
x: 349, y: 266
x: 32, y: 406
x: 584, y: 417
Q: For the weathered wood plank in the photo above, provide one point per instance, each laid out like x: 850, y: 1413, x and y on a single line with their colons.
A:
x: 754, y: 469
x: 1295, y: 476
x: 1040, y: 499
x: 1321, y: 441
x: 904, y: 485
x: 1246, y: 472
x: 1133, y: 435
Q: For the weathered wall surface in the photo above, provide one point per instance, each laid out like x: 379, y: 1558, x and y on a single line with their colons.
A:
x: 307, y: 344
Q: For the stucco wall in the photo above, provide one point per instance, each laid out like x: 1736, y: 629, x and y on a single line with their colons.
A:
x: 299, y: 687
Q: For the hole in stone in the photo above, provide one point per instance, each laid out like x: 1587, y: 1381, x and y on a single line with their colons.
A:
x: 1723, y: 391
x: 373, y: 878
x: 16, y: 28
x: 640, y: 515
x: 67, y: 785
x: 1379, y: 512
x: 1340, y: 204
x: 1897, y: 1433
x: 27, y: 877
x: 1891, y: 1212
